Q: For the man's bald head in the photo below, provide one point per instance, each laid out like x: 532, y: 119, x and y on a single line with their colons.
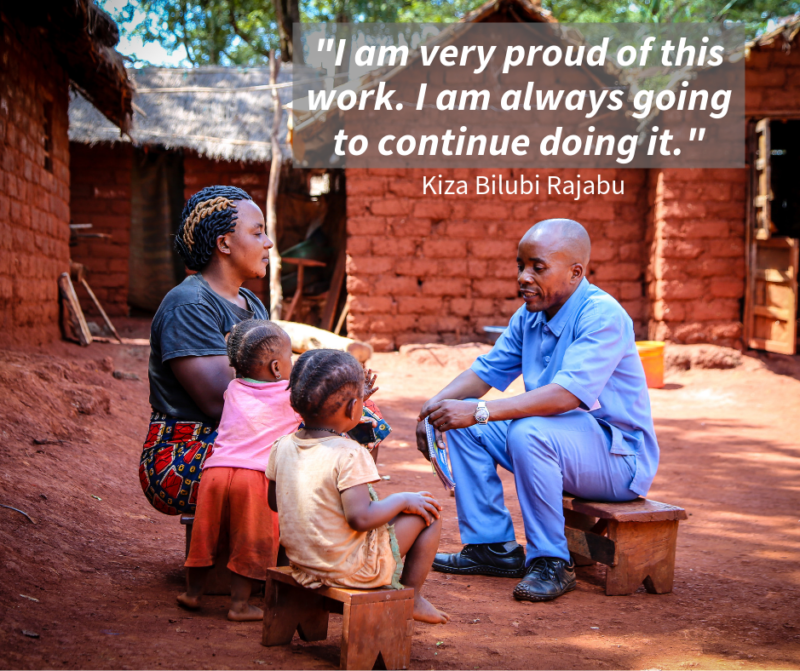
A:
x: 566, y: 235
x: 552, y: 260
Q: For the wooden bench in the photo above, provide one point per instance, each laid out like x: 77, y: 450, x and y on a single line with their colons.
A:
x: 636, y: 540
x: 219, y: 579
x: 376, y: 630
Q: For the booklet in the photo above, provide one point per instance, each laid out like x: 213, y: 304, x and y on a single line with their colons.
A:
x: 439, y: 457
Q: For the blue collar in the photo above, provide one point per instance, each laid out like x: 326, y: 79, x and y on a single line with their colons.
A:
x: 564, y: 315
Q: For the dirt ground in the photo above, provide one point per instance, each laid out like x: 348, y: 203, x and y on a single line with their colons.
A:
x: 92, y: 583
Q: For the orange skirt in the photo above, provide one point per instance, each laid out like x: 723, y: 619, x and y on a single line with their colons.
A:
x: 233, y: 503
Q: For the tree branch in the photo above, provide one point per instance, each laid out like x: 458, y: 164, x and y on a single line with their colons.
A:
x: 244, y: 36
x: 186, y: 35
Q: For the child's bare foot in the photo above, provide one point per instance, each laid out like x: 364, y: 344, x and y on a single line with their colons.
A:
x: 424, y: 611
x: 245, y: 613
x: 190, y: 602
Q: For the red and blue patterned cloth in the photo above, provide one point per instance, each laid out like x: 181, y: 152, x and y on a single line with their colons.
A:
x: 172, y: 462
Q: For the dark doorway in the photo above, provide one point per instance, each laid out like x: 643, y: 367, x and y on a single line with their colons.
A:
x: 156, y: 204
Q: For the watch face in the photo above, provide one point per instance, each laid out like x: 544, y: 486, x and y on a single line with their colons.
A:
x: 481, y: 415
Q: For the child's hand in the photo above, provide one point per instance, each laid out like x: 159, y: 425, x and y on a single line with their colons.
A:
x: 422, y: 504
x: 369, y: 383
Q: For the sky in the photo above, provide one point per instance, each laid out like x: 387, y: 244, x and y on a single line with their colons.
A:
x: 152, y: 52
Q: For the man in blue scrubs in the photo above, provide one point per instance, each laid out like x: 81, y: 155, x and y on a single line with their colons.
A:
x: 583, y: 425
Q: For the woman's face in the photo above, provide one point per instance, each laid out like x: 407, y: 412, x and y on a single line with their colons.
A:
x: 247, y: 246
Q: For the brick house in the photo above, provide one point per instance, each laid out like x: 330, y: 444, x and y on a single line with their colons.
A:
x: 46, y: 48
x: 193, y: 128
x: 692, y: 255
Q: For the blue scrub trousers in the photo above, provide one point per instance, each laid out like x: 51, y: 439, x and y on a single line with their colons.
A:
x: 548, y: 456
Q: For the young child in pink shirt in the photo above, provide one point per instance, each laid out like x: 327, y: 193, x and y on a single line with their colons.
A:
x: 232, y: 499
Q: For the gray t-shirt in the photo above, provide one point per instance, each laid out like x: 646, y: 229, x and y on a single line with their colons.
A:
x: 192, y: 320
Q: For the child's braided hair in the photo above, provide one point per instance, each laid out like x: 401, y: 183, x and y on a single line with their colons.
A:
x: 209, y: 213
x: 321, y: 379
x: 250, y: 340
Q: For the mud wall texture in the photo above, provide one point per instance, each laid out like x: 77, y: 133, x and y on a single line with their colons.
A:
x: 34, y: 185
x: 100, y: 194
x: 438, y: 268
x: 772, y: 81
x: 696, y: 275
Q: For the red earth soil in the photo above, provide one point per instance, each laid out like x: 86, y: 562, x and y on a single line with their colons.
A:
x: 95, y: 578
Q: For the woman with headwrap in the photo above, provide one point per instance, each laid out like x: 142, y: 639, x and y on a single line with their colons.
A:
x: 222, y: 237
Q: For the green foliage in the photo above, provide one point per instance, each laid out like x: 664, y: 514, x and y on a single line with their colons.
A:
x: 213, y: 32
x: 241, y: 32
x: 753, y: 14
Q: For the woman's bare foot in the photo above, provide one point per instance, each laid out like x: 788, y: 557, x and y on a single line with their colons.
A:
x: 424, y: 611
x: 245, y: 613
x: 190, y: 602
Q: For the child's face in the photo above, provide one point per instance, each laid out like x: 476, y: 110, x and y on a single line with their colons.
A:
x: 283, y: 358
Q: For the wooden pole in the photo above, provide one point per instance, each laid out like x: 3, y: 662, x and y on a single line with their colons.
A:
x: 100, y: 307
x: 72, y: 309
x: 275, y: 290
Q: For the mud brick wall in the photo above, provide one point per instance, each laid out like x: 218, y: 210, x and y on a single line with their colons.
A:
x: 696, y: 276
x: 100, y: 194
x: 430, y: 268
x: 772, y: 81
x: 34, y: 198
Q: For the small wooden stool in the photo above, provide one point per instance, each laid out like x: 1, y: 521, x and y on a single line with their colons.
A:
x: 636, y: 540
x: 219, y: 579
x: 377, y: 627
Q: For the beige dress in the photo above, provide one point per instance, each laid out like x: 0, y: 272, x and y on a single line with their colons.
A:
x: 322, y: 547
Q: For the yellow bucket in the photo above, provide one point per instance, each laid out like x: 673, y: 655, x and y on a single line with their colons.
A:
x: 651, y: 352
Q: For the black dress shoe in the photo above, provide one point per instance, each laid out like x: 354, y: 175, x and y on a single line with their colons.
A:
x: 506, y: 560
x: 546, y: 579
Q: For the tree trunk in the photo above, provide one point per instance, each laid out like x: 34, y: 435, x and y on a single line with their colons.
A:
x: 287, y: 13
x: 275, y: 290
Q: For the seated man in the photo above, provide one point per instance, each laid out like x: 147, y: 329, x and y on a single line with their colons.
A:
x: 583, y: 425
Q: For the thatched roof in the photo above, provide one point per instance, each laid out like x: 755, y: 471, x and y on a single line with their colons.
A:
x: 222, y: 113
x: 83, y: 37
x: 784, y: 34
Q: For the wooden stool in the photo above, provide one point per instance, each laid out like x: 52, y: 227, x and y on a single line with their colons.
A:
x: 377, y: 627
x: 636, y: 540
x: 219, y: 579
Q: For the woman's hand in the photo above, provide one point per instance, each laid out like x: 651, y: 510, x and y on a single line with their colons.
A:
x: 422, y: 504
x: 369, y: 383
x: 450, y: 414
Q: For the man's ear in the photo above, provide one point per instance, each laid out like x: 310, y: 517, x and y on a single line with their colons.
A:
x: 578, y: 271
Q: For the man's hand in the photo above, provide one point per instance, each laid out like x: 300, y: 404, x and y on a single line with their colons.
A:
x: 422, y: 504
x: 422, y: 440
x: 466, y: 385
x: 450, y: 414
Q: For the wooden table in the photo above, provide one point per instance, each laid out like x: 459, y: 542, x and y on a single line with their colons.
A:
x: 301, y: 264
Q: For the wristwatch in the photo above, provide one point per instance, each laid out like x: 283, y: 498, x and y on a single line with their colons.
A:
x: 481, y: 413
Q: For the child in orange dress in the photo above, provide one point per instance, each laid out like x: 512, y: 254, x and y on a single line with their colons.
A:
x: 232, y: 501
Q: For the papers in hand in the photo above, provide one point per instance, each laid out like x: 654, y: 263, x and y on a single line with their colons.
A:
x: 439, y: 457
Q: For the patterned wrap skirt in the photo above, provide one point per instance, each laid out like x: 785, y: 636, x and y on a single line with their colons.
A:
x: 172, y: 462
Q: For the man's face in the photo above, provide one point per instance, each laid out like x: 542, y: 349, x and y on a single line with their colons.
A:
x: 546, y: 274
